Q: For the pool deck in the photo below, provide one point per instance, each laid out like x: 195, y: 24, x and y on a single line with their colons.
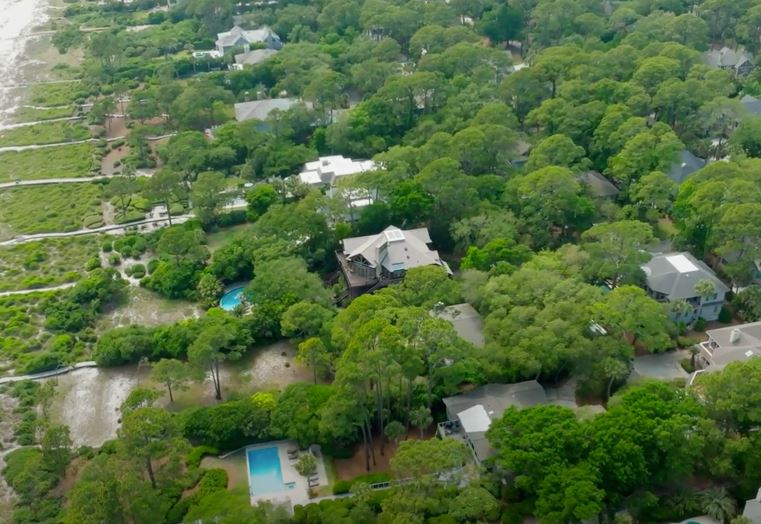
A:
x: 300, y: 493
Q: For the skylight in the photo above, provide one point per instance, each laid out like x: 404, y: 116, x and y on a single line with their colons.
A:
x: 394, y: 235
x: 682, y: 264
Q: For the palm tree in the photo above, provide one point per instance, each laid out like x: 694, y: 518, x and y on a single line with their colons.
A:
x: 680, y: 308
x: 421, y: 418
x: 717, y: 504
x: 704, y: 289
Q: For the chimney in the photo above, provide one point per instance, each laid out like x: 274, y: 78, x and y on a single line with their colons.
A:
x: 734, y: 337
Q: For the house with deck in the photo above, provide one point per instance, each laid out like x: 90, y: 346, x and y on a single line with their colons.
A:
x: 469, y: 415
x: 673, y: 276
x: 374, y: 261
x: 729, y: 344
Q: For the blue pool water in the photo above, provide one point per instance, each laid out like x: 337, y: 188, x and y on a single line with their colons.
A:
x: 264, y: 471
x: 232, y: 298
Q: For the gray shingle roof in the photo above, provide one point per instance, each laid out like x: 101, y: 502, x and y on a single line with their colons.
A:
x: 598, y: 184
x: 254, y: 57
x: 726, y: 57
x: 394, y: 249
x: 751, y: 104
x: 496, y: 399
x: 685, y: 165
x: 238, y: 35
x: 675, y: 275
x: 261, y: 109
x: 752, y: 509
x: 466, y: 321
x: 747, y: 343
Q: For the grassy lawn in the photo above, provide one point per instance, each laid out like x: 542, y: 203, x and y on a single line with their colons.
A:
x: 222, y: 236
x: 55, y: 94
x: 76, y: 160
x: 33, y: 114
x: 234, y: 464
x: 45, y: 133
x: 46, y: 263
x: 46, y: 209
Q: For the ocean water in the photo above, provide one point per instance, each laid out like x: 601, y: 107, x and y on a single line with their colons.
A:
x: 17, y: 19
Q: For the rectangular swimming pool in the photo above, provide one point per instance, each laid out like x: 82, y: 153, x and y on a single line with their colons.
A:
x: 265, y: 475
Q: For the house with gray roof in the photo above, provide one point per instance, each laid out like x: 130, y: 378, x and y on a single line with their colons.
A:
x: 684, y: 166
x: 261, y: 109
x: 730, y: 344
x: 374, y: 261
x: 751, y: 104
x: 466, y: 321
x: 673, y: 276
x: 752, y: 510
x: 241, y: 38
x: 599, y: 186
x: 469, y: 415
x: 253, y: 57
x: 738, y: 62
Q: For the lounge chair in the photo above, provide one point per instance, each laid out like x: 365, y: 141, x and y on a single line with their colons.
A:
x: 293, y: 453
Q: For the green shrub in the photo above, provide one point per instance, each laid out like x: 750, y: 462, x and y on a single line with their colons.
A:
x: 176, y: 209
x: 131, y: 216
x: 152, y: 265
x: 344, y: 486
x: 212, y: 480
x: 93, y: 263
x: 178, y: 511
x: 193, y: 460
x: 107, y: 246
x: 137, y: 270
x: 114, y: 259
x: 725, y: 315
x: 700, y: 324
x: 40, y: 362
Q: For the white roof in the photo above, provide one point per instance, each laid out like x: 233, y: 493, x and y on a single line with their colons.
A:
x: 681, y: 263
x: 330, y: 168
x: 310, y: 177
x: 474, y: 419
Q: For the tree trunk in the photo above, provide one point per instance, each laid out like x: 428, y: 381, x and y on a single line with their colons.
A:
x: 409, y: 403
x: 149, y: 467
x: 379, y: 399
x: 215, y: 380
x: 168, y: 212
x: 367, y: 447
x: 169, y: 387
x: 370, y: 438
x: 314, y: 371
x: 610, y: 387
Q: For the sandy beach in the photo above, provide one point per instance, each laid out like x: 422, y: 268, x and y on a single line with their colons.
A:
x: 18, y: 18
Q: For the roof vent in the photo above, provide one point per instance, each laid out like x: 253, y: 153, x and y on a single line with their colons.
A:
x: 734, y: 336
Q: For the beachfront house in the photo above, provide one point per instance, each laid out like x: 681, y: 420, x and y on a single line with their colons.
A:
x: 374, y: 261
x: 238, y: 38
x: 675, y: 277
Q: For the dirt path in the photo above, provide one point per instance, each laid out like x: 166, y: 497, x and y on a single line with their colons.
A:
x: 37, y: 290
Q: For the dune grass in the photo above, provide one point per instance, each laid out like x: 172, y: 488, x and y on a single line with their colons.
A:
x: 46, y: 263
x: 44, y: 133
x: 74, y: 161
x: 48, y: 209
x: 33, y: 114
x: 61, y: 94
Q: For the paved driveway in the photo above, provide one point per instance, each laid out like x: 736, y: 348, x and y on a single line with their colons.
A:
x: 663, y: 366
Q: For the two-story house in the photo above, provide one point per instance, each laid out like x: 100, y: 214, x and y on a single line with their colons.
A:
x: 237, y: 38
x: 730, y: 344
x: 675, y: 277
x: 374, y: 261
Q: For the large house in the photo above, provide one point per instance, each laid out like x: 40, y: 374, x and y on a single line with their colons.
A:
x: 730, y: 344
x: 470, y: 414
x: 673, y: 276
x: 736, y: 62
x: 374, y: 261
x: 237, y: 38
x: 328, y: 170
x: 684, y: 166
